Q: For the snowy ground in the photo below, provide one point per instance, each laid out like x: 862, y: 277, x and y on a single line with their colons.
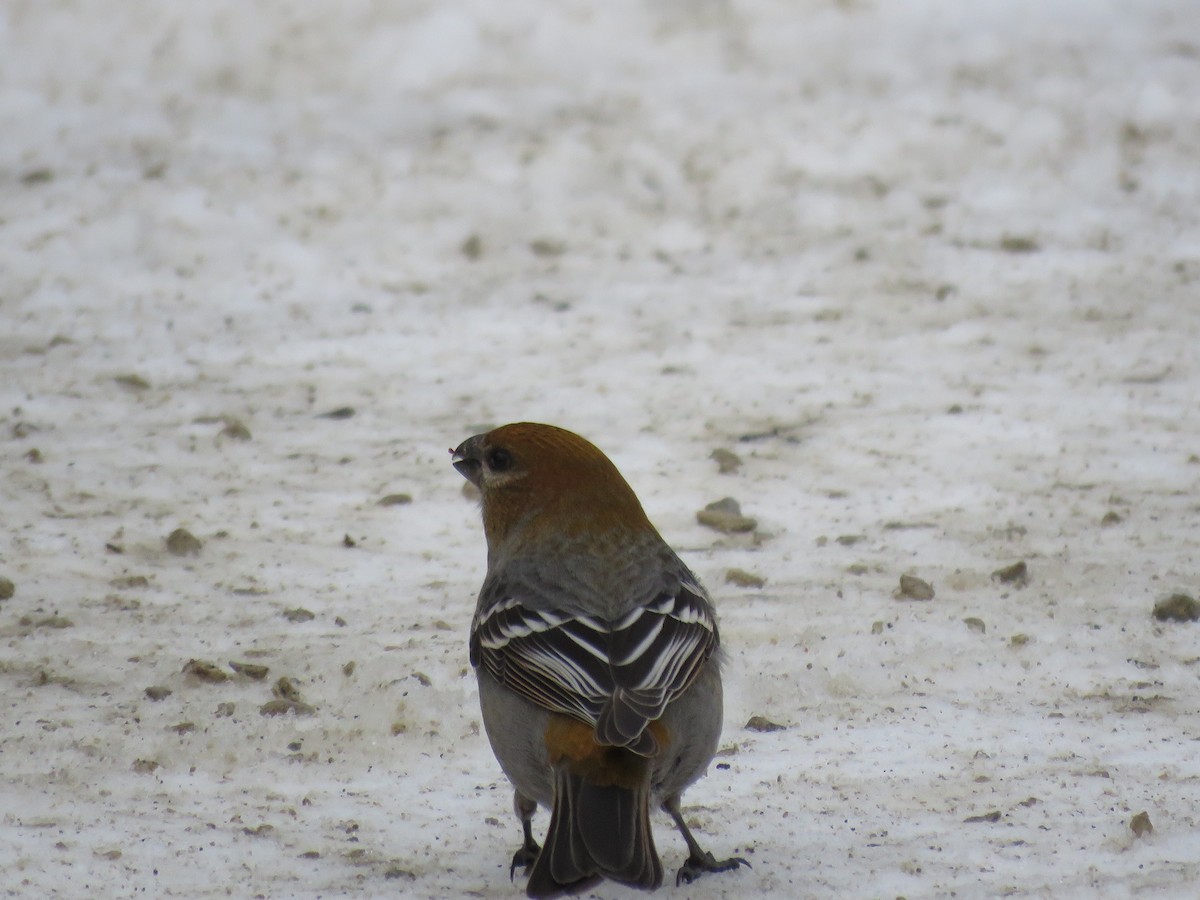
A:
x: 930, y: 269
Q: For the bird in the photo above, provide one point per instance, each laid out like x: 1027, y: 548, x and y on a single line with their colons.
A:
x: 598, y: 661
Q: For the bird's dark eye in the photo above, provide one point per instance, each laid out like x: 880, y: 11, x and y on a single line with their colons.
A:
x: 499, y: 459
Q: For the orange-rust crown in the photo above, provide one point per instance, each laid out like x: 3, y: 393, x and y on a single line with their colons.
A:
x: 538, y: 477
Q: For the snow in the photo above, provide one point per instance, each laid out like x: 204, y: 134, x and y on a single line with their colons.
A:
x: 930, y: 269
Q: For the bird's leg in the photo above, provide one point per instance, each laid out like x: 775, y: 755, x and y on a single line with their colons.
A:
x: 528, y: 854
x: 699, y: 860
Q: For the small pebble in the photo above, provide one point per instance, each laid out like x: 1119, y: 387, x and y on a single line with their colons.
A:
x: 993, y: 816
x: 395, y: 500
x: 235, y: 430
x: 547, y: 247
x: 281, y: 707
x: 158, y: 692
x: 132, y: 382
x: 1013, y: 243
x: 742, y: 578
x: 286, y: 689
x: 205, y: 671
x: 914, y: 588
x: 299, y: 614
x: 472, y: 247
x: 727, y: 461
x: 128, y: 582
x: 1110, y: 519
x: 975, y: 624
x: 182, y: 542
x: 1177, y: 608
x: 1016, y: 574
x: 144, y: 766
x: 7, y: 588
x: 37, y: 176
x: 726, y: 516
x: 250, y: 670
x: 1140, y: 824
x: 762, y: 723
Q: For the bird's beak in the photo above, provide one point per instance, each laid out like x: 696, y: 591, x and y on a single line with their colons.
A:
x: 465, y: 458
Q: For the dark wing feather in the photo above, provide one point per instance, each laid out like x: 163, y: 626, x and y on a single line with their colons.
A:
x: 656, y: 652
x: 616, y: 675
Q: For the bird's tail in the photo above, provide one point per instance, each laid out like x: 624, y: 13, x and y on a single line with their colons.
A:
x: 597, y: 831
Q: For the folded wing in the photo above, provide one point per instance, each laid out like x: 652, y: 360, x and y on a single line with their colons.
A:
x: 616, y: 675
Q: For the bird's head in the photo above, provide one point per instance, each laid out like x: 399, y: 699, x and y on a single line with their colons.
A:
x: 537, y: 477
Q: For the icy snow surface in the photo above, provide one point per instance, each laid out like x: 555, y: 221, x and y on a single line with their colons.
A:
x: 931, y: 269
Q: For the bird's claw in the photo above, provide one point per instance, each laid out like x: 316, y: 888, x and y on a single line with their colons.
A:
x: 698, y: 865
x: 523, y: 859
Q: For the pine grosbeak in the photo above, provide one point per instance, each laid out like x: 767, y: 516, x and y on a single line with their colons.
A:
x: 598, y: 660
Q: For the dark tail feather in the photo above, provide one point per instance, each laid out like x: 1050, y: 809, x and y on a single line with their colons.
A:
x: 596, y: 831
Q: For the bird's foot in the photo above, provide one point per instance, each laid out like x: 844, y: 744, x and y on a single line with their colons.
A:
x: 524, y: 858
x: 699, y: 864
